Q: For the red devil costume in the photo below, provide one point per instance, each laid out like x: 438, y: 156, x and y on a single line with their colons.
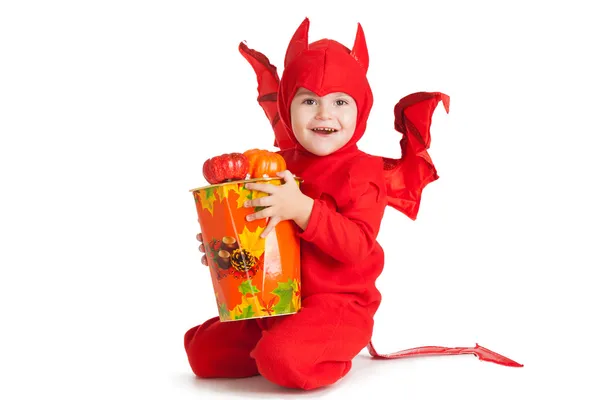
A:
x: 341, y: 258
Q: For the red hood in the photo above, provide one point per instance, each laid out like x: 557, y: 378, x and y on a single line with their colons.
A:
x: 323, y: 67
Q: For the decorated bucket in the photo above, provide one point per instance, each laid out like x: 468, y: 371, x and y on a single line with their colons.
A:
x: 252, y: 277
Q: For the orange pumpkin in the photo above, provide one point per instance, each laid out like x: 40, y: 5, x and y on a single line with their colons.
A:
x: 264, y: 162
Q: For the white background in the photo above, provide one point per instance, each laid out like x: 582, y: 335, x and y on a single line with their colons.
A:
x: 108, y: 110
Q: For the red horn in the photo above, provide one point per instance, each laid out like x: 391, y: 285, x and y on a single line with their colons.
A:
x: 359, y: 50
x: 299, y: 42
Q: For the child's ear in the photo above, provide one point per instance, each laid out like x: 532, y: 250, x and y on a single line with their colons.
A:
x: 298, y: 44
x: 359, y: 50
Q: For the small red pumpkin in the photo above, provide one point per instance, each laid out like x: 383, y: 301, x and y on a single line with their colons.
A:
x: 226, y: 167
x: 264, y: 162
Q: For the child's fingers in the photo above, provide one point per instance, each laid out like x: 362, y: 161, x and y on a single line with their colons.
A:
x: 287, y: 176
x: 199, y: 237
x: 270, y: 226
x: 260, y: 202
x: 262, y: 187
x: 267, y: 212
x: 204, y: 260
x: 201, y: 248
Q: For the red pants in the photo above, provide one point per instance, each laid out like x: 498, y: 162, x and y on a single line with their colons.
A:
x: 307, y: 350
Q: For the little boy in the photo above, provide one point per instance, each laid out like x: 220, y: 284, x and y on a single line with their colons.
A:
x: 323, y: 102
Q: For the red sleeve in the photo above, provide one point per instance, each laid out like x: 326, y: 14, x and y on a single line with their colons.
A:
x: 350, y: 233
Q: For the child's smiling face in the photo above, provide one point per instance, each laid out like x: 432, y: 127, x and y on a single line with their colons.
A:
x: 323, y: 125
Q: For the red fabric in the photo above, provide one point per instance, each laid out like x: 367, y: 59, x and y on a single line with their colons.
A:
x: 311, y: 349
x: 406, y: 177
x: 222, y: 350
x: 340, y: 256
x: 478, y: 351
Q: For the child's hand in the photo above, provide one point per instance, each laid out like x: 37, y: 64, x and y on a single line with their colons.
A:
x: 285, y: 202
x: 202, y: 249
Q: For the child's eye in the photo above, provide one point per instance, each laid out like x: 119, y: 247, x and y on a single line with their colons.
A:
x: 310, y: 102
x: 340, y: 102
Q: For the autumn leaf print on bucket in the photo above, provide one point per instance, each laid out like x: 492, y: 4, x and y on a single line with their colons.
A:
x: 252, y: 277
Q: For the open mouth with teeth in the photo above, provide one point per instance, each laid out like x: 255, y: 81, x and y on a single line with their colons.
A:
x: 324, y: 131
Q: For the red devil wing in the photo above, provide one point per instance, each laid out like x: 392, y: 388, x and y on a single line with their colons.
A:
x: 406, y: 177
x: 268, y: 84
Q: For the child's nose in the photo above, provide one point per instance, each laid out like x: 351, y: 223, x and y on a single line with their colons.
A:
x: 323, y: 112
